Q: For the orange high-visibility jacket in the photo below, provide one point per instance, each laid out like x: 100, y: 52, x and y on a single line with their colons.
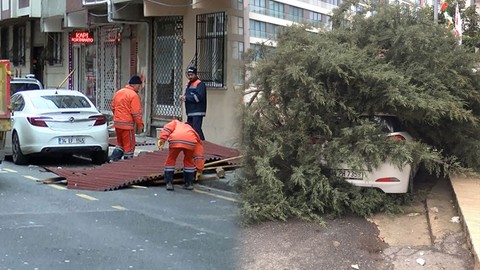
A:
x: 182, y: 135
x: 126, y: 108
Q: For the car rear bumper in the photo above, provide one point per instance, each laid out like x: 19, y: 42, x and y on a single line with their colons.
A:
x: 72, y: 149
x: 387, y: 177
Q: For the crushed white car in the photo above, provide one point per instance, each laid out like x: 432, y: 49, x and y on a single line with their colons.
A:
x: 387, y: 177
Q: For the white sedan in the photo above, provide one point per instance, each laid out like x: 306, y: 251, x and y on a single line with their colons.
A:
x: 55, y: 121
x: 387, y: 177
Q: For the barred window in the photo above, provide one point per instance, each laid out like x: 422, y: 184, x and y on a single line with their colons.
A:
x: 54, y: 48
x: 19, y: 45
x: 210, y: 48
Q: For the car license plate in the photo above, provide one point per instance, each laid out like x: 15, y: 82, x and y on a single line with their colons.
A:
x: 71, y: 140
x: 349, y: 174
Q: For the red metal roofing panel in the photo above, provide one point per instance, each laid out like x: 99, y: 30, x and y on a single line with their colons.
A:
x: 144, y: 167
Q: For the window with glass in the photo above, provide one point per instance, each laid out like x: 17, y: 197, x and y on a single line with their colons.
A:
x: 237, y: 50
x: 260, y: 50
x: 315, y: 17
x: 54, y: 48
x: 258, y: 29
x: 274, y: 30
x: 240, y: 4
x: 237, y: 25
x: 276, y: 9
x: 258, y: 6
x: 295, y: 14
x: 60, y: 102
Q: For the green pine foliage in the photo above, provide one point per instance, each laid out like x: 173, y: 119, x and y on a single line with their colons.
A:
x: 312, y: 90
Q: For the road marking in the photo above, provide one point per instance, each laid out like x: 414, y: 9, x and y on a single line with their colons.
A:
x: 31, y: 177
x: 85, y: 196
x: 119, y: 207
x: 215, y: 195
x: 57, y: 186
x: 9, y: 170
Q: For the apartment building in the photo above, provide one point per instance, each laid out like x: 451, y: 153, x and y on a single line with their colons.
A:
x: 267, y: 18
x: 102, y: 43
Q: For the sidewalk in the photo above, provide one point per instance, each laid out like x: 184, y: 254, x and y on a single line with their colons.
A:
x: 467, y: 194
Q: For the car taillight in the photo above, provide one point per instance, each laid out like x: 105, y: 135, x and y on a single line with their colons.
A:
x: 99, y: 119
x: 397, y: 137
x: 387, y: 180
x: 38, y: 121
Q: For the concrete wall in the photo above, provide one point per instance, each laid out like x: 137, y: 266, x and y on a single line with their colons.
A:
x: 55, y: 74
x: 221, y: 125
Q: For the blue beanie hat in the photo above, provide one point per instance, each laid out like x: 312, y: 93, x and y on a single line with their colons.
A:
x: 135, y: 80
x: 192, y: 70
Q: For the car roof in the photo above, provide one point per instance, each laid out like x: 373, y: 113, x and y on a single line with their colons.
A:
x: 19, y: 79
x: 16, y: 80
x: 41, y: 92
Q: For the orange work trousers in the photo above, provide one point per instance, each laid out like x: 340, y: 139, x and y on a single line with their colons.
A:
x: 173, y: 153
x: 126, y: 140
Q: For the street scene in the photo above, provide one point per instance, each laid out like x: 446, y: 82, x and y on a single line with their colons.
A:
x: 245, y: 134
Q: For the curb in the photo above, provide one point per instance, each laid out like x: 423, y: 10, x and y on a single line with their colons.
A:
x: 457, y: 189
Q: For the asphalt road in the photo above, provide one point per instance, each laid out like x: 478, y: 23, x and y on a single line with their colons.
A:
x: 50, y: 227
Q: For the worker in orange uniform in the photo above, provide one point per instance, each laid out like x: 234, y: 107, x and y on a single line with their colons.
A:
x: 127, y: 118
x: 182, y: 138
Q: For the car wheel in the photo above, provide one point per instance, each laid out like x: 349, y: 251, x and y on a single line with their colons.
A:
x: 17, y: 156
x: 100, y: 157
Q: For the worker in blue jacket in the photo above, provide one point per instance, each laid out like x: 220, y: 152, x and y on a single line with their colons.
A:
x: 195, y: 99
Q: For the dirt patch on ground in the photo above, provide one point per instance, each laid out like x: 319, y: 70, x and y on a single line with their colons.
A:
x: 301, y: 245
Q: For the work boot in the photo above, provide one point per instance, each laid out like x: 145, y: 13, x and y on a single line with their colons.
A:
x: 169, y: 180
x: 170, y: 186
x: 116, y: 154
x: 188, y: 177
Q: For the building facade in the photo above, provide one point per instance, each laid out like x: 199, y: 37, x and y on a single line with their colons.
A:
x: 95, y: 46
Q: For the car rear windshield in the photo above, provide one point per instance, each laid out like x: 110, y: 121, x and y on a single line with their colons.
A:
x: 60, y: 102
x: 16, y: 87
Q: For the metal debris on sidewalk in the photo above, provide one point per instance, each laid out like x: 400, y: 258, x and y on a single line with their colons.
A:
x: 420, y: 261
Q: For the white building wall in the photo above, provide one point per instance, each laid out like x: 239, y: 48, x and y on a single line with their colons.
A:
x: 221, y: 124
x: 55, y: 74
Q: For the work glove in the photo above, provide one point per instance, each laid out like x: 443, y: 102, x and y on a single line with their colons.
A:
x: 198, y: 175
x: 160, y: 144
x: 139, y: 129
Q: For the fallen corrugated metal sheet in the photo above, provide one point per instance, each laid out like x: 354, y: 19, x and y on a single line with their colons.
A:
x: 144, y: 167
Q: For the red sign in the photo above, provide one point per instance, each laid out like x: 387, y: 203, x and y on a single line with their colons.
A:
x: 81, y: 37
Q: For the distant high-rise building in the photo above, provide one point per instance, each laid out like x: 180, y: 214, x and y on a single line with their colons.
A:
x: 267, y: 18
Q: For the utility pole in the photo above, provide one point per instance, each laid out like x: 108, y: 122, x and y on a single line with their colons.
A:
x: 435, y: 11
